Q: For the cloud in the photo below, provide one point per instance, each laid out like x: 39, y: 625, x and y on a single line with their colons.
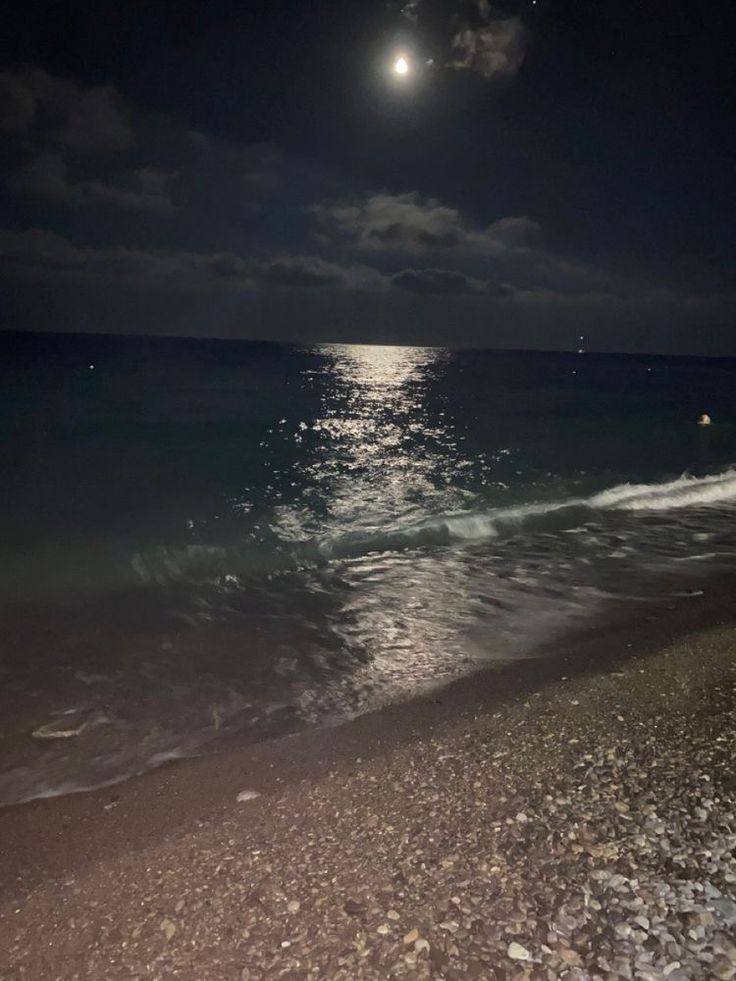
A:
x: 514, y: 232
x: 41, y: 250
x: 145, y: 190
x: 506, y: 255
x: 46, y: 111
x: 495, y: 50
x: 408, y: 223
x: 302, y: 271
x: 410, y: 11
x: 46, y: 175
x: 432, y: 281
x: 395, y: 222
x: 153, y: 181
x: 500, y: 290
x: 56, y: 129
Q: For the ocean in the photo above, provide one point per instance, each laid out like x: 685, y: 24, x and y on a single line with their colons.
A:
x: 204, y: 541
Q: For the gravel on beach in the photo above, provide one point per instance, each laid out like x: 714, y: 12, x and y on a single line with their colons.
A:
x: 583, y: 831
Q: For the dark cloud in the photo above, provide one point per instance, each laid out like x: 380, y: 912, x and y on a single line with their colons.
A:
x: 46, y: 175
x: 259, y: 166
x: 431, y: 281
x: 122, y: 197
x: 499, y: 290
x: 449, y: 281
x: 508, y: 250
x: 515, y: 232
x: 380, y: 181
x: 409, y: 223
x: 66, y: 143
x: 49, y: 283
x: 490, y: 44
x: 401, y: 222
x: 154, y: 182
x: 493, y: 51
x: 39, y: 250
x: 410, y: 11
x: 48, y: 111
x: 303, y: 271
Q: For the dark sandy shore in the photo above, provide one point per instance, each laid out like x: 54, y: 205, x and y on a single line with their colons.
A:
x: 569, y: 818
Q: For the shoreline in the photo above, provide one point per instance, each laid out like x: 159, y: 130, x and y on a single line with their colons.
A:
x: 461, y: 841
x: 46, y: 837
x: 405, y: 812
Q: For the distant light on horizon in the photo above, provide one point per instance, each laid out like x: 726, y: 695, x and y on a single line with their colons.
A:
x: 401, y: 66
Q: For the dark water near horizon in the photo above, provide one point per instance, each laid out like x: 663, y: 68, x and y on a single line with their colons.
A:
x: 202, y: 539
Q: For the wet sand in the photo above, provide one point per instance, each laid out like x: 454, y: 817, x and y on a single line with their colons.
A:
x: 467, y: 834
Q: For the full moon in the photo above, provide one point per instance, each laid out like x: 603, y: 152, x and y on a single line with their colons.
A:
x: 401, y: 66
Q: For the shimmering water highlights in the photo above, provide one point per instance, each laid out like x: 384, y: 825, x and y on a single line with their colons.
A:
x: 204, y: 539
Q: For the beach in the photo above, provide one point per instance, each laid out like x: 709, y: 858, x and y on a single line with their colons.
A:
x: 572, y: 816
x: 368, y: 523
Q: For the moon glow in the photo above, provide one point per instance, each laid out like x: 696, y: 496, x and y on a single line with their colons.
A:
x: 401, y: 66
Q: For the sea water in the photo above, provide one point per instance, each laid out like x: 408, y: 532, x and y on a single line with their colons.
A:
x: 203, y: 539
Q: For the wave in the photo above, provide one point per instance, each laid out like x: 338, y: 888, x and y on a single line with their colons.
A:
x: 686, y: 491
x: 165, y: 563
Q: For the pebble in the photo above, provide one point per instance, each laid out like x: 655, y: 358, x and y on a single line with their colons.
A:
x: 518, y: 953
x: 616, y: 860
x: 247, y: 795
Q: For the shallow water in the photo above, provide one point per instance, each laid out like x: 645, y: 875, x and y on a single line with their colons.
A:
x: 208, y: 538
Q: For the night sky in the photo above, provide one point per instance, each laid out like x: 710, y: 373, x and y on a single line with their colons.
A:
x: 543, y: 169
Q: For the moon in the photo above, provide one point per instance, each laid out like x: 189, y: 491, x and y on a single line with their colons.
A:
x: 401, y: 65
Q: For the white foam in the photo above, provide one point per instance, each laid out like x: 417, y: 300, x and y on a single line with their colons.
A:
x: 164, y: 563
x: 684, y: 492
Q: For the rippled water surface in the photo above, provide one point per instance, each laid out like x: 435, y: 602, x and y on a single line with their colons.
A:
x: 226, y: 538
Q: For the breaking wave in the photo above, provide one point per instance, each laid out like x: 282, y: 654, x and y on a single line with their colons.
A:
x: 165, y: 563
x: 684, y: 492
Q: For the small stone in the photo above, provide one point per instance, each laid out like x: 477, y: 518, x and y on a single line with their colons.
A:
x: 353, y: 907
x: 569, y: 957
x: 518, y: 953
x: 247, y: 795
x: 293, y: 906
x: 726, y: 909
x: 168, y: 927
x: 622, y: 967
x: 723, y: 969
x: 179, y: 906
x: 393, y: 915
x: 450, y: 925
x: 411, y: 936
x: 383, y: 929
x: 421, y: 945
